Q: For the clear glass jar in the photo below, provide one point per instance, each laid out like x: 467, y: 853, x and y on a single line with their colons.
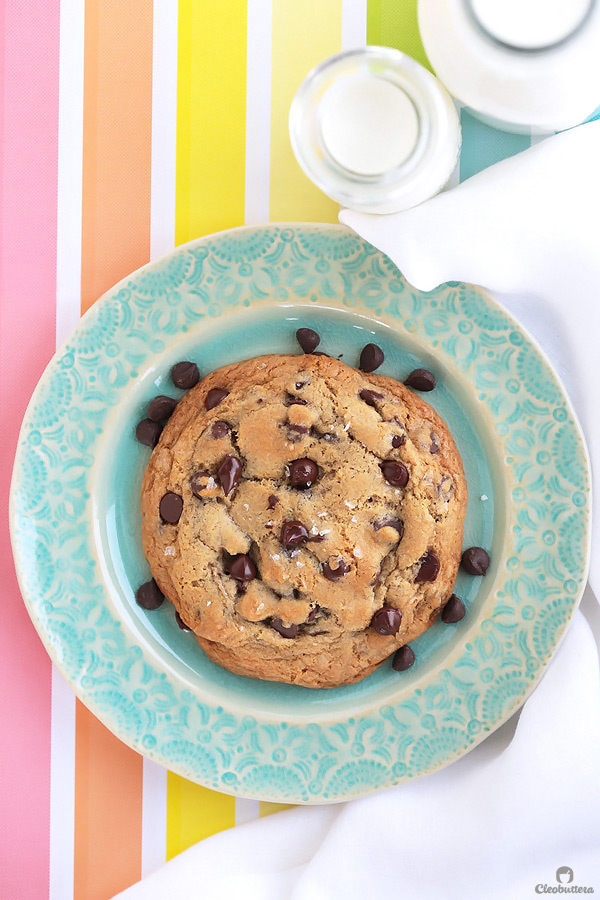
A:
x: 374, y: 130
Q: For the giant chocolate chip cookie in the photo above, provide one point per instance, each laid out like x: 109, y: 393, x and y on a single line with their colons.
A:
x: 304, y: 518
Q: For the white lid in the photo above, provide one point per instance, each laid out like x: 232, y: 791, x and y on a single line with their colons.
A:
x: 538, y: 88
x: 530, y: 24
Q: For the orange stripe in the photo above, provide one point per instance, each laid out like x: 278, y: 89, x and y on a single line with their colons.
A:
x: 117, y: 130
x: 115, y: 241
x: 108, y: 811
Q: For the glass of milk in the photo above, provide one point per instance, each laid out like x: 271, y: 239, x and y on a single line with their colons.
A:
x: 375, y: 130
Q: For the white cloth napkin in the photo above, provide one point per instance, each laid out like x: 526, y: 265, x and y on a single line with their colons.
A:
x: 526, y: 802
x: 528, y: 229
x: 484, y: 827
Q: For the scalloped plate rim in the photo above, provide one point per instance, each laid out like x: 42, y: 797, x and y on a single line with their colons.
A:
x: 39, y: 623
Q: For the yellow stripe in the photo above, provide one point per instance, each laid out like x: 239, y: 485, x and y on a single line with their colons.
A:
x: 267, y: 809
x: 193, y: 813
x: 303, y: 35
x: 209, y: 196
x: 211, y: 117
x: 210, y: 184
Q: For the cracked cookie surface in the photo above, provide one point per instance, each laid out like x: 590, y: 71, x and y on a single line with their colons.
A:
x: 304, y: 518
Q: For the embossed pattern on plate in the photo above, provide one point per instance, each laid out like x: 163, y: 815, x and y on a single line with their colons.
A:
x: 135, y: 679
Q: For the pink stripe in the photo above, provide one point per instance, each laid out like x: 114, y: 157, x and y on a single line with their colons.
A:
x: 28, y: 186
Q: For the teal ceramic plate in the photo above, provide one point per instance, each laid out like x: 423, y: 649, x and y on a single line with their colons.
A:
x: 75, y: 515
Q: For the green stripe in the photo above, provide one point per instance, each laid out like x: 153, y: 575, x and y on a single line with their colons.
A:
x: 482, y: 145
x: 393, y: 23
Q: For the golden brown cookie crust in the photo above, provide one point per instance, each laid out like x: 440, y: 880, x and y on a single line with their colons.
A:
x: 344, y: 512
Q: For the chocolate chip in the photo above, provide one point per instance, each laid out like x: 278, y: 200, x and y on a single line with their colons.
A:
x: 185, y: 375
x: 317, y: 538
x: 421, y: 380
x: 429, y: 569
x: 403, y: 658
x: 475, y: 561
x: 161, y: 408
x: 370, y: 397
x: 333, y: 574
x: 398, y: 440
x: 272, y: 501
x: 319, y: 353
x: 293, y: 533
x: 386, y: 620
x: 377, y: 577
x: 303, y: 473
x: 286, y: 631
x: 390, y: 523
x: 149, y: 596
x: 434, y: 447
x: 229, y: 473
x: 313, y: 614
x: 453, y: 611
x: 219, y: 429
x: 371, y: 357
x: 241, y: 567
x: 308, y: 339
x: 148, y: 432
x: 290, y: 400
x: 395, y: 473
x: 181, y: 623
x: 170, y: 508
x: 300, y: 384
x: 445, y: 487
x: 297, y: 429
x: 199, y: 483
x: 292, y: 437
x: 214, y: 397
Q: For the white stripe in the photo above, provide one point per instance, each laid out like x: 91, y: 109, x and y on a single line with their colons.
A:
x: 354, y: 24
x: 62, y: 789
x: 246, y: 810
x: 258, y: 112
x: 68, y: 307
x: 70, y: 163
x: 164, y: 127
x: 162, y: 240
x: 154, y: 817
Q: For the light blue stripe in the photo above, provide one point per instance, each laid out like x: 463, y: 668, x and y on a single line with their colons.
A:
x: 482, y: 145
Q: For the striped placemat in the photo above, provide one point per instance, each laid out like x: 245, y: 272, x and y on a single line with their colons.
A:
x: 128, y: 128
